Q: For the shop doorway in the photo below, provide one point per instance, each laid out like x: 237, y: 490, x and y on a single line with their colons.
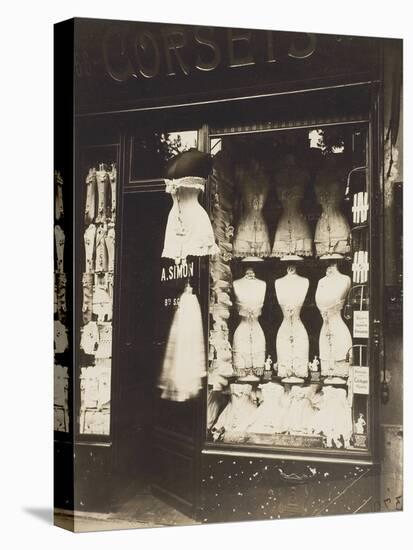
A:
x: 139, y: 339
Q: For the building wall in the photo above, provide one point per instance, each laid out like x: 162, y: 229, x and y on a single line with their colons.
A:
x: 391, y: 418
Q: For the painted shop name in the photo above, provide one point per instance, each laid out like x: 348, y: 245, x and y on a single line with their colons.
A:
x: 175, y: 272
x: 148, y: 53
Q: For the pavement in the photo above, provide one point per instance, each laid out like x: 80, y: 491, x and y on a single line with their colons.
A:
x: 138, y: 511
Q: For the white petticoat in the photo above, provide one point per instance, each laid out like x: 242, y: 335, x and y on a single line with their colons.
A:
x: 198, y: 239
x: 184, y: 363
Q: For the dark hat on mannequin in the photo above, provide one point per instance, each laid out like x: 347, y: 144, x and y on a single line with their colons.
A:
x: 189, y: 163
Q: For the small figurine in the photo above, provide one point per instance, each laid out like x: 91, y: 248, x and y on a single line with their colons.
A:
x: 360, y: 424
x: 314, y: 364
x: 267, y: 368
x: 314, y: 369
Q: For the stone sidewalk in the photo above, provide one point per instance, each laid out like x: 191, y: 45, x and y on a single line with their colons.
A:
x: 140, y: 511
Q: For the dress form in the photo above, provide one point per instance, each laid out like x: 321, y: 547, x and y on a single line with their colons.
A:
x: 292, y: 339
x: 188, y: 230
x: 249, y: 339
x: 335, y: 338
x: 332, y: 233
x: 293, y: 234
x: 251, y: 240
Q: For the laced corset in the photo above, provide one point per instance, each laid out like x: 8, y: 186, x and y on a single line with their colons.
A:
x: 103, y: 186
x: 252, y: 237
x: 249, y: 340
x: 101, y: 260
x: 292, y: 339
x: 293, y: 234
x: 335, y: 338
x: 332, y: 233
x: 248, y: 312
x: 113, y: 178
x: 188, y: 230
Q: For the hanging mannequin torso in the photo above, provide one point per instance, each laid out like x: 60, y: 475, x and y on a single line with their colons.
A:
x: 335, y: 338
x: 293, y: 233
x: 292, y: 338
x: 249, y: 340
x: 252, y: 238
x: 332, y: 231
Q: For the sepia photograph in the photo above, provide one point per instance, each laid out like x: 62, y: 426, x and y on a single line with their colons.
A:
x: 228, y: 274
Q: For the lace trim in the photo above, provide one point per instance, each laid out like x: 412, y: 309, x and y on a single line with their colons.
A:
x: 192, y: 182
x: 206, y: 250
x: 299, y: 247
x: 252, y: 253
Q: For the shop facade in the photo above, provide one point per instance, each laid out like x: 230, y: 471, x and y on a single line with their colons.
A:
x: 301, y: 410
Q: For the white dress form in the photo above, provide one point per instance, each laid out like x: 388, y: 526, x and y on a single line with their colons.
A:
x: 188, y: 230
x: 332, y: 232
x: 249, y: 339
x: 335, y: 338
x: 293, y: 237
x: 91, y: 192
x: 113, y: 178
x: 292, y: 339
x: 252, y: 239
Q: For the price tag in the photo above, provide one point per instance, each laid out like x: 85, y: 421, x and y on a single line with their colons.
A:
x: 360, y: 380
x: 360, y: 324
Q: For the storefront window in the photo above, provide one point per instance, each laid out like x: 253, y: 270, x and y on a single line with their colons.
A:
x: 289, y: 306
x: 98, y: 271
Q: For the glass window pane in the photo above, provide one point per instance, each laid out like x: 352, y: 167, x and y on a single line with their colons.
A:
x: 289, y: 314
x: 151, y: 151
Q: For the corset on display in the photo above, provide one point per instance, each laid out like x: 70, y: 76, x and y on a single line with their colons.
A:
x: 237, y: 414
x: 269, y: 417
x: 335, y: 338
x: 249, y: 339
x: 333, y: 418
x: 292, y: 339
x: 332, y: 232
x: 252, y: 237
x: 188, y: 230
x: 293, y: 234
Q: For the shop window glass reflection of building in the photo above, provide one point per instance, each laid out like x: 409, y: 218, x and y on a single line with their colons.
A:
x: 151, y: 151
